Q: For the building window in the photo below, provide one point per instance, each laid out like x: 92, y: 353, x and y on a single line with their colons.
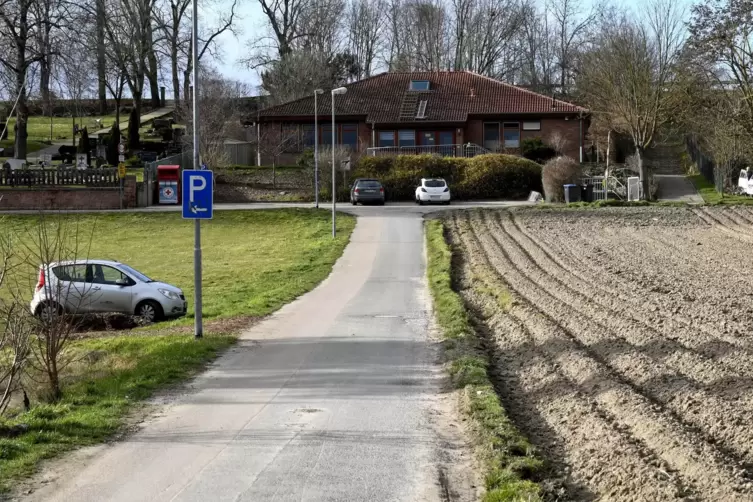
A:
x: 446, y: 138
x: 491, y: 136
x: 289, y: 140
x: 533, y: 125
x: 419, y: 85
x: 511, y: 134
x: 325, y: 138
x: 307, y: 135
x: 407, y: 138
x: 349, y: 135
x: 386, y: 138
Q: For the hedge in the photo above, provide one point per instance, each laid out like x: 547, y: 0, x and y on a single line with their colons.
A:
x: 492, y: 176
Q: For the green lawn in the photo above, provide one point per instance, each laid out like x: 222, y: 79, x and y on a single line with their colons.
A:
x: 711, y: 196
x: 31, y: 145
x: 38, y: 127
x: 254, y: 262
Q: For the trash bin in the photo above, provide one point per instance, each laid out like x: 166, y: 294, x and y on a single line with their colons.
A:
x: 587, y: 192
x: 572, y: 193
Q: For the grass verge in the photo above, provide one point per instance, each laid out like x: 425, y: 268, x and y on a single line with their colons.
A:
x: 254, y: 261
x: 503, y: 451
x: 711, y: 196
x: 109, y: 378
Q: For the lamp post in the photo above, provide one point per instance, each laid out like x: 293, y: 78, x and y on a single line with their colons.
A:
x: 316, y: 148
x: 339, y: 90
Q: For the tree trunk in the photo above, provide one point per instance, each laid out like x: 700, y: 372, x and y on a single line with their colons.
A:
x: 134, y: 123
x: 101, y: 58
x: 44, y: 84
x: 22, y: 112
x: 643, y: 174
x: 187, y: 74
x: 152, y: 70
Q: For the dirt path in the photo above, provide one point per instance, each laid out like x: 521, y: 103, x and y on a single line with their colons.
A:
x: 619, y: 344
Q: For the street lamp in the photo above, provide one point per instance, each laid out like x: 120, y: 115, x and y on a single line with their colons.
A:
x: 316, y: 148
x: 339, y: 90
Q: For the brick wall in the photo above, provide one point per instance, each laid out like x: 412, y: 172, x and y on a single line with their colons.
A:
x: 474, y: 132
x: 69, y: 198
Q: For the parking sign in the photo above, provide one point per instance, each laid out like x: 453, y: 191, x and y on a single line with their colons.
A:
x: 198, y: 194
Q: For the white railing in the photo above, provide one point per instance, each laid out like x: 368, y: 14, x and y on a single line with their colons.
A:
x: 467, y: 150
x: 603, y: 187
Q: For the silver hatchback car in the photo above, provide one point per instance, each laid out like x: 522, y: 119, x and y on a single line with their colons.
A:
x: 102, y: 286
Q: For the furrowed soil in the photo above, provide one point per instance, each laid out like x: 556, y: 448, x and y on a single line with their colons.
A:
x: 622, y: 344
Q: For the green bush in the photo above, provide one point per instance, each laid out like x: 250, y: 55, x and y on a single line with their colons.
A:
x: 482, y: 177
x: 500, y: 177
x: 536, y: 150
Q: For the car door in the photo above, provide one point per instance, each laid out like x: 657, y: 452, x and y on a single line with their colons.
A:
x: 71, y: 288
x: 113, y: 290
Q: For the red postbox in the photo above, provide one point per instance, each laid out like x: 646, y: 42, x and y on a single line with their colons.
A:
x: 168, y: 184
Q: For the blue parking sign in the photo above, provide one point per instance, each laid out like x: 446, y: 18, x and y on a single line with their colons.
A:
x: 198, y: 194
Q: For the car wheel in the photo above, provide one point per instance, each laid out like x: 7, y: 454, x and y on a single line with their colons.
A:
x: 48, y: 311
x: 381, y: 202
x: 149, y: 311
x: 354, y: 202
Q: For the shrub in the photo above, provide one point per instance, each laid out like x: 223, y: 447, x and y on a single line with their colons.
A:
x: 536, y: 150
x: 500, y: 177
x: 556, y: 173
x: 113, y: 140
x: 485, y: 176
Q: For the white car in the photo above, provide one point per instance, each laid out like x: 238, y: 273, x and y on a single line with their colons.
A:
x: 103, y: 286
x: 433, y: 191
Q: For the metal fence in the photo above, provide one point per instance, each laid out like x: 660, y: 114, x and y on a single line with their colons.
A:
x: 467, y: 150
x: 107, y: 177
x: 240, y: 154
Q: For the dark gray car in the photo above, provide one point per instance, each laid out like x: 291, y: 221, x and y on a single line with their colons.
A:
x: 367, y: 191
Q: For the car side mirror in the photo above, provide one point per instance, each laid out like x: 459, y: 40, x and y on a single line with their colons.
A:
x: 123, y: 282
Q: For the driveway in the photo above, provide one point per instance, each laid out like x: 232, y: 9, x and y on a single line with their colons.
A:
x: 333, y: 398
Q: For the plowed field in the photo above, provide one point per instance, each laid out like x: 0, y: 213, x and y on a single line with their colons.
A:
x: 623, y: 343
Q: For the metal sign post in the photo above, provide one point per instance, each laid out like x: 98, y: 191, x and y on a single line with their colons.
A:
x: 198, y: 325
x: 198, y: 204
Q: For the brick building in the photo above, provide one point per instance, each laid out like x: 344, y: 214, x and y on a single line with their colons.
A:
x: 421, y: 112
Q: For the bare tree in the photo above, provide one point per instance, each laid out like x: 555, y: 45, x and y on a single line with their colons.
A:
x: 48, y: 240
x: 488, y: 31
x: 207, y: 43
x: 630, y: 75
x: 721, y: 45
x: 538, y: 69
x: 572, y: 22
x: 218, y: 106
x: 274, y: 140
x: 17, y: 326
x: 366, y: 21
x: 20, y: 26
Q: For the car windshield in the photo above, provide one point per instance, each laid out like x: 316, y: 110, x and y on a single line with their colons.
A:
x: 369, y: 184
x: 434, y: 183
x: 135, y: 273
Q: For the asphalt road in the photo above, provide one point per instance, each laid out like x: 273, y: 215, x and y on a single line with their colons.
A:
x: 330, y: 399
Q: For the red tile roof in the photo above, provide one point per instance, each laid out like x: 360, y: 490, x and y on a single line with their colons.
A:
x: 452, y: 97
